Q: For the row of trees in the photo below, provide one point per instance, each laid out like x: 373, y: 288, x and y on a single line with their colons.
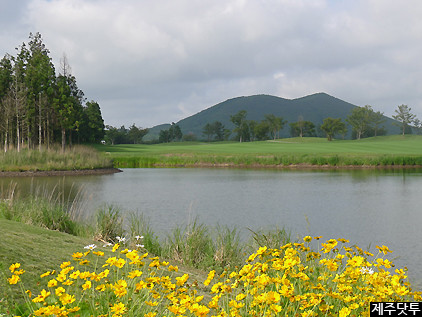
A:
x: 250, y: 130
x: 39, y: 108
x: 123, y: 135
x: 364, y: 121
x: 174, y: 133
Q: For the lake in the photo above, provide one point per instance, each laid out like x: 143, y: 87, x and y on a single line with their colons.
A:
x: 367, y: 207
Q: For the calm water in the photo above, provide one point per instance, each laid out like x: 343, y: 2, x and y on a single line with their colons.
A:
x: 365, y: 206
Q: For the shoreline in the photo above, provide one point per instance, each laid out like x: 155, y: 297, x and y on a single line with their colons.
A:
x: 108, y: 171
x: 275, y: 166
x: 96, y: 171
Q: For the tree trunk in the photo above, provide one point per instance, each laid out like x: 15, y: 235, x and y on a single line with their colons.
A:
x: 70, y: 138
x: 63, y: 139
x: 48, y: 133
x: 39, y: 125
x: 5, y: 141
x: 18, y: 134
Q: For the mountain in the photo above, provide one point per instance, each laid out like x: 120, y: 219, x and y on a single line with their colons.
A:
x: 314, y: 108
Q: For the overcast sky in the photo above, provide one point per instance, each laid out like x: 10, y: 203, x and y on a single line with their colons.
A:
x: 153, y: 62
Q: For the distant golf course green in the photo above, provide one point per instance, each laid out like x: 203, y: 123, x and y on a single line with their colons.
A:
x: 396, y: 150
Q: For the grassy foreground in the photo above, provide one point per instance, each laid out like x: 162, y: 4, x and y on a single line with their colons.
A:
x: 394, y: 150
x: 78, y: 278
x: 76, y: 158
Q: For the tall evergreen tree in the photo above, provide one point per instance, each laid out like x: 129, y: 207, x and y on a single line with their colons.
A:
x: 93, y: 123
x: 39, y: 79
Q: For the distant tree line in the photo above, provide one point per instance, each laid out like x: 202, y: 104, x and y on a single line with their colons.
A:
x: 38, y: 107
x: 364, y: 121
x: 174, y: 133
x: 123, y: 135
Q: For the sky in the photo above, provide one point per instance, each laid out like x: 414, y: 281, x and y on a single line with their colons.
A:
x: 153, y: 62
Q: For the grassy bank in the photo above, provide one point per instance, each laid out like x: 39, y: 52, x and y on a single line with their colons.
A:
x: 378, y: 151
x: 76, y: 158
x: 81, y: 278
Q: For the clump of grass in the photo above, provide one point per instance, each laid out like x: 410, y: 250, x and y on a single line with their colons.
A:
x: 272, y: 238
x: 42, y: 208
x: 140, y: 229
x: 78, y: 157
x: 228, y: 250
x: 191, y: 245
x: 109, y: 223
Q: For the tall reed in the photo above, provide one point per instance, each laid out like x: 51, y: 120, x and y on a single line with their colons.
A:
x: 78, y: 157
x: 47, y: 208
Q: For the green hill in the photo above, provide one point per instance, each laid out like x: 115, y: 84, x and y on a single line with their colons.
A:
x: 314, y: 108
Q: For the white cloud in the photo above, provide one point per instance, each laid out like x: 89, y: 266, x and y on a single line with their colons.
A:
x: 160, y: 61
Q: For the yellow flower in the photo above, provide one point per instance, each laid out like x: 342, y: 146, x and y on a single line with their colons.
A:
x: 101, y: 288
x: 344, y: 312
x: 387, y: 264
x: 118, y: 309
x: 47, y: 274
x: 356, y: 261
x: 77, y: 255
x: 120, y: 263
x: 99, y: 253
x: 182, y: 280
x: 87, y: 285
x: 235, y: 304
x: 384, y: 249
x: 307, y: 239
x: 115, y: 247
x: 75, y: 275
x: 52, y: 283
x: 64, y: 265
x: 343, y: 240
x: 68, y: 282
x: 240, y: 296
x: 40, y: 298
x: 173, y: 268
x: 67, y: 299
x: 60, y: 291
x: 134, y: 274
x: 156, y: 263
x: 51, y: 310
x: 14, y: 279
x: 19, y: 272
x: 120, y: 288
x: 14, y: 266
x: 211, y: 275
x: 74, y: 309
x: 261, y: 251
x: 61, y: 277
x: 67, y: 269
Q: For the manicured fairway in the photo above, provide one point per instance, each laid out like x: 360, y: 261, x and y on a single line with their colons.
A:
x: 405, y: 150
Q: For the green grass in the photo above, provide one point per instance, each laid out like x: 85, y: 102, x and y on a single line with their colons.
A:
x: 37, y: 249
x: 77, y: 158
x: 377, y: 151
